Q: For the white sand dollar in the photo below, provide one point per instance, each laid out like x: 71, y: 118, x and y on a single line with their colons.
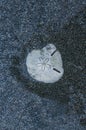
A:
x: 45, y: 65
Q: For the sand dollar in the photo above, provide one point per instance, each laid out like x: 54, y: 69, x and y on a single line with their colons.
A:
x: 45, y: 65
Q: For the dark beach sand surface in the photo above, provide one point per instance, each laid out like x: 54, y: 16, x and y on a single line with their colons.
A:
x: 26, y: 104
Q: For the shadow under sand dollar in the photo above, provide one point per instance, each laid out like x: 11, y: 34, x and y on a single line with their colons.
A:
x: 55, y: 91
x: 70, y: 42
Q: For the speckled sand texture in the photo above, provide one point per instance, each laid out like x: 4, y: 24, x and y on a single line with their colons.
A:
x: 25, y: 103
